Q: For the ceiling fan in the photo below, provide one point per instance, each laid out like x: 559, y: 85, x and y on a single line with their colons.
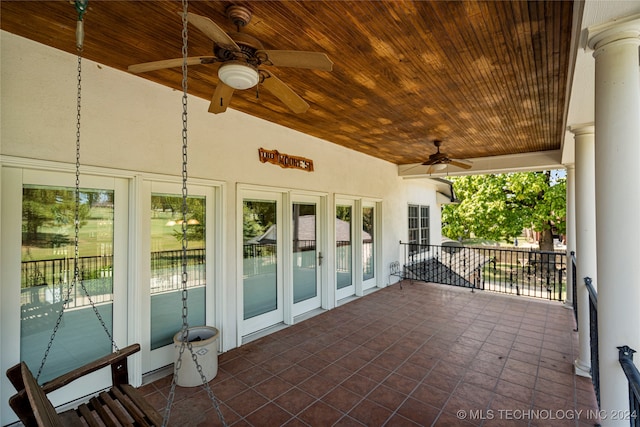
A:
x: 241, y: 57
x: 438, y: 161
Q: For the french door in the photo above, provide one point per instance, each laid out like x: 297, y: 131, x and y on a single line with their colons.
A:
x: 262, y: 292
x: 306, y: 253
x: 38, y: 221
x: 369, y: 245
x: 345, y: 278
x: 162, y: 266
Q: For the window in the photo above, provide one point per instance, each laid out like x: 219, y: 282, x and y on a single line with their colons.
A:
x: 418, y: 221
x: 165, y: 285
x: 368, y: 253
x: 47, y: 273
x: 424, y: 225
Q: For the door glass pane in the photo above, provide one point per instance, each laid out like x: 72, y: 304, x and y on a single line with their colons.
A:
x: 166, y: 265
x: 367, y: 243
x: 343, y: 246
x: 260, y: 240
x: 48, y: 248
x: 304, y: 252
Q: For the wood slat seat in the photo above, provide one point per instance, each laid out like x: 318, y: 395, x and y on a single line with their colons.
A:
x: 121, y: 405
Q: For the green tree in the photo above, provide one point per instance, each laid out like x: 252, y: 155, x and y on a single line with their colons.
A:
x: 195, y: 214
x: 258, y: 217
x: 500, y: 206
x: 343, y: 213
x: 251, y: 227
x: 51, y: 207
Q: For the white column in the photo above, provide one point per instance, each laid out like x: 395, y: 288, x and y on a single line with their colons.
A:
x: 585, y: 199
x: 570, y: 233
x: 617, y: 119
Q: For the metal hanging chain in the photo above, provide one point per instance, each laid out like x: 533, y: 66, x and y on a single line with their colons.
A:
x: 76, y: 218
x: 184, y: 332
x: 81, y: 8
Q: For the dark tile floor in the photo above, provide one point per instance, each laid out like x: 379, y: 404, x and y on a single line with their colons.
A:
x: 423, y: 355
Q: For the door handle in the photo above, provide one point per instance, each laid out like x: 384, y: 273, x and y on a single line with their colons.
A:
x: 320, y: 258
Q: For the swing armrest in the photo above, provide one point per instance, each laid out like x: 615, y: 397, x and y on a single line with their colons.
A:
x: 31, y: 400
x: 117, y: 361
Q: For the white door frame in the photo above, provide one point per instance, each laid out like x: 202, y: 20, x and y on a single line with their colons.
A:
x: 350, y: 290
x: 254, y: 324
x: 315, y: 302
x: 160, y: 357
x: 375, y: 280
x: 13, y: 179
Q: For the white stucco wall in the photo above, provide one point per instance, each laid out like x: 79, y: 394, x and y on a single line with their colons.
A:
x: 132, y: 124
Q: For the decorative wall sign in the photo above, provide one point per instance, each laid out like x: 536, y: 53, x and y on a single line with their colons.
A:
x: 285, y: 160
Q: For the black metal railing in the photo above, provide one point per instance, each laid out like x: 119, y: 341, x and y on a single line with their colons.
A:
x: 343, y: 256
x: 625, y: 357
x: 574, y: 286
x: 166, y: 270
x: 258, y: 259
x: 45, y: 283
x: 593, y: 336
x: 525, y: 272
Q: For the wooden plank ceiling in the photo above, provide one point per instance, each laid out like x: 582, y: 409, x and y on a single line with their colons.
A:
x: 486, y: 77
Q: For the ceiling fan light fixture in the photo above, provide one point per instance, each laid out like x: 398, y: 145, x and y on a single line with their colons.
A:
x: 238, y: 75
x: 439, y: 166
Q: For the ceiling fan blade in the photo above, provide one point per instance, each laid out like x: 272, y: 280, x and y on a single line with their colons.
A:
x: 298, y: 59
x: 285, y: 94
x: 221, y: 98
x: 211, y: 30
x: 464, y: 164
x: 170, y: 63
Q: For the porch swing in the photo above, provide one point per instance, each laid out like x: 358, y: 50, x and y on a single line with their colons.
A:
x: 122, y: 404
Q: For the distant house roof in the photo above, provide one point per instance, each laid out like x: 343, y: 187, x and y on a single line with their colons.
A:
x: 307, y: 231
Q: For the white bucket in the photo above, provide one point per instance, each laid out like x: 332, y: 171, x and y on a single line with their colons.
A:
x: 203, y: 340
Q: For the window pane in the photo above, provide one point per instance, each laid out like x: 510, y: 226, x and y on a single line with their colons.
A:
x: 343, y: 246
x: 260, y: 260
x: 367, y: 243
x: 304, y: 252
x: 413, y: 221
x: 166, y: 265
x: 48, y: 248
x: 424, y: 225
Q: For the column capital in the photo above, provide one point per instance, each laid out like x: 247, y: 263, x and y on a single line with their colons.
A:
x: 582, y: 129
x: 601, y: 35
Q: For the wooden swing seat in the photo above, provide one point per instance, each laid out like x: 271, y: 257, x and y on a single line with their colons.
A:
x: 121, y: 405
